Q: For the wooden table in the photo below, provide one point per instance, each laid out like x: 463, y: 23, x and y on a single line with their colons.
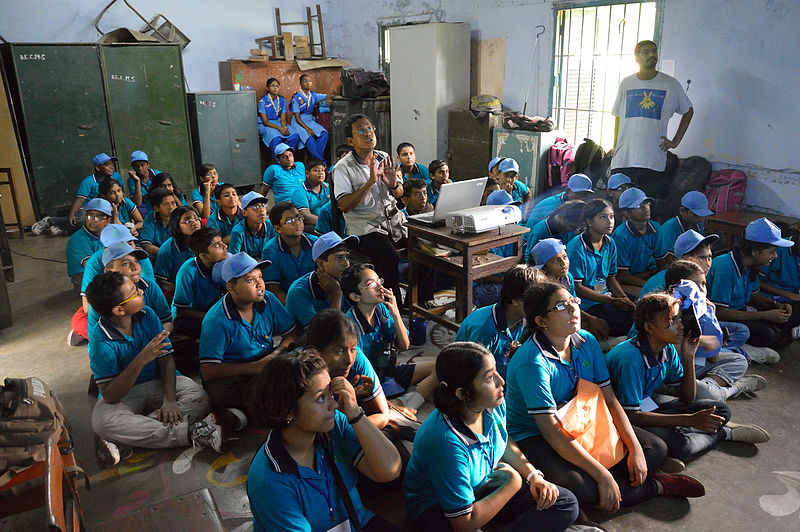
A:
x: 733, y: 223
x: 465, y: 267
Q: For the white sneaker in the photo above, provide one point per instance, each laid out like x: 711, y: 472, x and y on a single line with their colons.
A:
x: 747, y: 433
x: 40, y: 226
x: 751, y: 383
x: 796, y: 333
x: 207, y: 433
x: 761, y: 355
x: 74, y: 339
x: 56, y: 231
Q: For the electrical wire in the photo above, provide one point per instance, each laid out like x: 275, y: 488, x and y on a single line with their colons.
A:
x: 38, y: 258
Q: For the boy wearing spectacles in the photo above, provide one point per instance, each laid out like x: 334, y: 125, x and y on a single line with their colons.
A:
x: 252, y: 232
x: 86, y: 240
x: 289, y: 251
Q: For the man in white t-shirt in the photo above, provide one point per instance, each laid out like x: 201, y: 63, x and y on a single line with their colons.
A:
x: 644, y: 105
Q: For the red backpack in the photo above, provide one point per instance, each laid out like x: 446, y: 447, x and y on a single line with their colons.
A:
x: 725, y: 190
x: 560, y: 159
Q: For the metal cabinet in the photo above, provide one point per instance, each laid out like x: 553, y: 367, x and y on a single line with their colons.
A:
x: 529, y: 149
x: 224, y: 130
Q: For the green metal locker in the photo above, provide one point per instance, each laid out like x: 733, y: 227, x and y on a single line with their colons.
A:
x: 60, y: 116
x: 147, y: 107
x: 225, y: 134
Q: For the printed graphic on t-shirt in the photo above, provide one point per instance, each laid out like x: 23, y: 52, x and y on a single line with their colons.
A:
x: 643, y: 103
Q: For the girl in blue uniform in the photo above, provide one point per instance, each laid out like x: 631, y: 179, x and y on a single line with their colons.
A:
x: 123, y: 210
x: 273, y: 126
x: 183, y: 221
x: 203, y: 199
x: 304, y: 475
x: 164, y: 180
x: 312, y: 135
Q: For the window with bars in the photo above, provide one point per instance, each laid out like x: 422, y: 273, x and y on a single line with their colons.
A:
x: 593, y: 52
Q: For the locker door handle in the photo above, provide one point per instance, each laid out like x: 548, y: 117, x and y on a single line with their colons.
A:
x: 165, y: 122
x: 85, y: 126
x: 241, y: 140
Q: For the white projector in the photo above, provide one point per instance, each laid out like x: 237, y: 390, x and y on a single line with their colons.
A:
x: 485, y: 218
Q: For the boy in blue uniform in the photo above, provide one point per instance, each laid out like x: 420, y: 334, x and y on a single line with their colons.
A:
x: 440, y: 174
x: 252, y: 232
x: 320, y: 289
x: 203, y: 199
x: 691, y: 214
x: 284, y: 176
x: 617, y: 184
x: 312, y: 195
x: 289, y: 251
x: 111, y: 234
x: 312, y: 135
x: 140, y: 177
x: 636, y: 240
x: 508, y: 181
x: 229, y: 212
x: 155, y: 229
x: 781, y: 277
x: 144, y: 403
x: 415, y: 197
x: 237, y: 336
x: 579, y: 187
x: 407, y: 155
x: 84, y: 242
x: 563, y: 223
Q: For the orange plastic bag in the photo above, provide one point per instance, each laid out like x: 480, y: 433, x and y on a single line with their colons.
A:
x: 587, y: 419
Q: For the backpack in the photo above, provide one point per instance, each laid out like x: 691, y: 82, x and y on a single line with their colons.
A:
x: 527, y: 123
x: 589, y: 160
x: 30, y: 414
x: 725, y: 190
x: 358, y: 83
x: 560, y: 158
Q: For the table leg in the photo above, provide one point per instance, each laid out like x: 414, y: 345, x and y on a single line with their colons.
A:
x: 464, y: 299
x: 412, y: 277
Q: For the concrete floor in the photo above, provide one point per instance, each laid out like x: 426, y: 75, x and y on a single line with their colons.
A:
x: 747, y: 488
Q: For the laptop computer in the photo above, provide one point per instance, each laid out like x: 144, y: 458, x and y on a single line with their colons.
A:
x: 452, y: 197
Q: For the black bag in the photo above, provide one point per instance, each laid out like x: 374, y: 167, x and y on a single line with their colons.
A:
x: 527, y: 123
x: 359, y: 83
x: 589, y: 160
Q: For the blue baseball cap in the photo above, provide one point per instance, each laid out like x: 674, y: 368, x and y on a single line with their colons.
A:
x: 117, y: 250
x: 282, y: 147
x: 501, y: 197
x: 102, y: 158
x: 252, y: 196
x: 697, y: 202
x: 633, y: 198
x: 494, y: 162
x: 617, y: 180
x: 99, y: 205
x: 546, y: 249
x: 509, y: 165
x: 139, y: 155
x: 113, y: 233
x: 216, y: 271
x: 691, y: 240
x: 580, y: 183
x: 329, y: 241
x: 766, y: 232
x: 240, y: 264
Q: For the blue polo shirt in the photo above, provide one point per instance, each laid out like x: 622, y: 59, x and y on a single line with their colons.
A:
x: 636, y: 371
x: 195, y: 288
x: 90, y: 185
x: 418, y: 171
x: 305, y: 298
x: 489, y: 327
x: 783, y: 271
x: 80, y: 246
x: 94, y: 267
x: 305, y: 198
x: 539, y: 230
x: 590, y: 267
x: 519, y: 190
x: 145, y: 186
x: 198, y: 197
x: 222, y: 223
x: 111, y: 351
x: 543, y: 209
x: 539, y: 382
x: 170, y: 259
x: 153, y: 298
x: 656, y: 283
x: 286, y: 268
x: 153, y: 231
x: 450, y: 463
x: 226, y: 337
x: 371, y: 338
x: 252, y: 244
x: 433, y: 193
x: 282, y: 181
x: 124, y: 210
x: 287, y: 496
x: 669, y: 233
x: 729, y: 283
x: 636, y: 252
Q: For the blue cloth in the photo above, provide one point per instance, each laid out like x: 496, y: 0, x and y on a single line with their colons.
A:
x: 153, y: 298
x: 590, y: 267
x: 195, y: 288
x: 94, y: 267
x: 729, y: 283
x: 668, y: 233
x: 450, y: 463
x: 270, y: 136
x: 145, y: 185
x: 784, y: 271
x: 124, y: 210
x: 543, y: 209
x: 418, y: 171
x: 305, y: 198
x: 519, y: 190
x: 286, y: 268
x: 539, y: 230
x: 325, y: 222
x: 170, y: 259
x: 153, y: 230
x: 709, y: 325
x: 226, y: 337
x: 636, y: 371
x: 243, y: 240
x: 81, y: 245
x: 286, y: 496
x: 198, y: 197
x: 489, y: 327
x: 371, y: 338
x: 433, y: 193
x: 284, y: 182
x: 305, y: 298
x: 111, y: 351
x: 656, y: 283
x: 539, y: 382
x: 90, y: 185
x: 222, y: 223
x: 305, y: 106
x: 636, y: 251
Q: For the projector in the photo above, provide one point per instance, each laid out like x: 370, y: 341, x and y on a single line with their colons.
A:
x: 485, y: 218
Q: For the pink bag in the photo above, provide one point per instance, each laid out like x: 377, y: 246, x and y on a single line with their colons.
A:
x: 725, y: 190
x: 560, y: 159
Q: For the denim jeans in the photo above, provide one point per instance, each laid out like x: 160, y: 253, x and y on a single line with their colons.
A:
x: 730, y: 366
x: 739, y: 334
x: 688, y: 442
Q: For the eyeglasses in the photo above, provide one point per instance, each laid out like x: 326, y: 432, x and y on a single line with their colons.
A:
x: 190, y: 221
x: 294, y: 220
x: 134, y: 296
x: 374, y: 283
x: 365, y: 130
x: 563, y: 305
x: 258, y: 207
x: 97, y: 217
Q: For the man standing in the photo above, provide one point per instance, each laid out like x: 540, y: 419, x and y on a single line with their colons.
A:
x: 645, y: 103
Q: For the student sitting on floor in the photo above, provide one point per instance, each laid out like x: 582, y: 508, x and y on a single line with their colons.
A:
x: 381, y: 331
x: 289, y: 251
x: 183, y: 221
x: 284, y: 176
x: 236, y: 338
x: 111, y: 234
x: 252, y: 232
x: 440, y: 174
x: 691, y: 214
x: 593, y: 265
x: 163, y: 180
x: 508, y: 181
x: 312, y: 195
x: 734, y: 285
x: 144, y: 403
x: 501, y: 326
x: 579, y: 187
x: 415, y: 197
x: 304, y: 475
x: 780, y: 279
x: 140, y: 177
x: 465, y: 470
x: 407, y: 155
x: 84, y: 242
x: 229, y: 212
x: 123, y: 210
x: 155, y: 229
x: 494, y: 167
x: 203, y: 199
x: 491, y: 185
x: 321, y: 289
x: 636, y: 240
x: 563, y: 223
x: 639, y: 365
x: 542, y: 376
x: 617, y: 184
x: 501, y: 197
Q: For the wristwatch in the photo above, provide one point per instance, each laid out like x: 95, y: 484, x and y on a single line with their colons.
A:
x: 532, y: 473
x: 356, y: 419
